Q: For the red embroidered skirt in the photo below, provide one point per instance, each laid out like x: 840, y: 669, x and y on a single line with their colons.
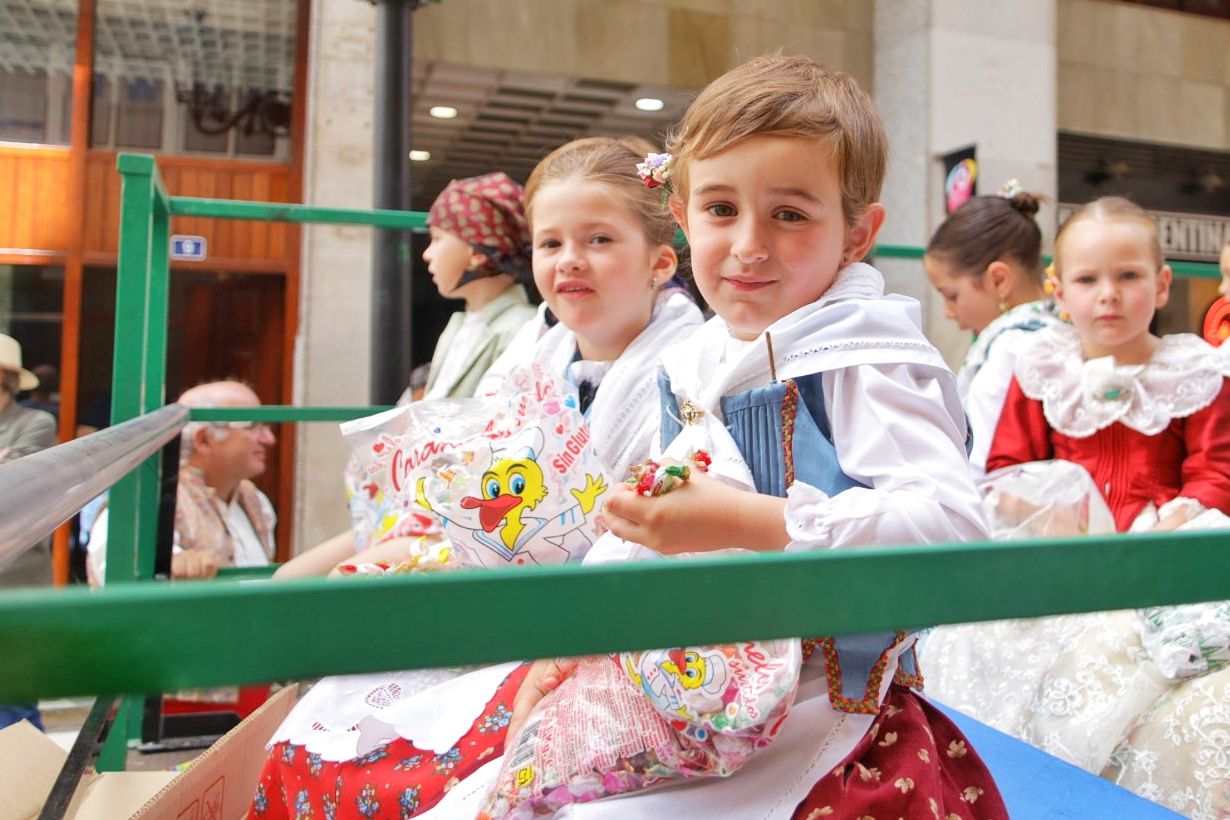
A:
x: 395, y: 780
x: 914, y: 763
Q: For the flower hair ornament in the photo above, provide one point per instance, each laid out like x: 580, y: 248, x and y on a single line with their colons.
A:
x: 1010, y: 188
x: 655, y: 171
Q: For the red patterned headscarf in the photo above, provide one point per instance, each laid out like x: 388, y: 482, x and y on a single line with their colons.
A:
x: 486, y: 212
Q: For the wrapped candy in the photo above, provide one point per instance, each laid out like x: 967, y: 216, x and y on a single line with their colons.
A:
x: 513, y: 478
x: 651, y: 478
x: 635, y: 720
x: 374, y: 518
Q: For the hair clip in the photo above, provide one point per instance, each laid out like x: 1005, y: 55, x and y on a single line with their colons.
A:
x: 1010, y: 188
x: 655, y: 171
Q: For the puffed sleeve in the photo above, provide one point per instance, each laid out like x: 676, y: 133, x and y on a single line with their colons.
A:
x: 899, y: 430
x: 1022, y: 434
x: 1206, y: 470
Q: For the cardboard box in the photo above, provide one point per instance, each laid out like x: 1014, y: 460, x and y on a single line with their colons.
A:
x: 217, y: 786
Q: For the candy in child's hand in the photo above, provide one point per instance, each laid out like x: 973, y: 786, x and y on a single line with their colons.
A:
x: 651, y: 478
x: 668, y: 478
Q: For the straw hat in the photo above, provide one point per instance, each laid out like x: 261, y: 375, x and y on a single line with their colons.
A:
x: 10, y: 359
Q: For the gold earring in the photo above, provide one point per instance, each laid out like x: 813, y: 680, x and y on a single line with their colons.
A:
x: 1002, y: 305
x: 653, y: 283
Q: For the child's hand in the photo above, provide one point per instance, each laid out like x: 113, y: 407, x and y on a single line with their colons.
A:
x: 700, y: 515
x: 544, y: 676
x: 1171, y: 522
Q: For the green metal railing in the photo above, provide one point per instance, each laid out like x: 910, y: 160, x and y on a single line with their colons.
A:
x: 134, y: 638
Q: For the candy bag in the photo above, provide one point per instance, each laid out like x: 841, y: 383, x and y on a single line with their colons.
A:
x: 374, y: 518
x: 635, y: 720
x: 1039, y: 499
x: 513, y: 477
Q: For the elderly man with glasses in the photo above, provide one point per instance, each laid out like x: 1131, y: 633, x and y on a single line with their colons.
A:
x: 221, y: 518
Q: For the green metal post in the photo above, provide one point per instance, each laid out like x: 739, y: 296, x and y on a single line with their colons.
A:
x: 156, y: 320
x: 138, y: 387
x: 131, y: 351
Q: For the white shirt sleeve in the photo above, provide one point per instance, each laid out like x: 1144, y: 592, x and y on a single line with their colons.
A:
x: 96, y: 548
x: 899, y: 430
x: 249, y: 551
x: 987, y: 390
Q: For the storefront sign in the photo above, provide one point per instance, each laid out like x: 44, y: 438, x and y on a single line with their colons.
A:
x: 1186, y: 237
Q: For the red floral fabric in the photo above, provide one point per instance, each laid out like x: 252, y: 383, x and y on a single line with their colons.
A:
x: 395, y: 780
x: 484, y: 210
x: 913, y: 763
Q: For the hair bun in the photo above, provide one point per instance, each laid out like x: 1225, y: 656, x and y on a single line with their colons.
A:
x: 1026, y: 203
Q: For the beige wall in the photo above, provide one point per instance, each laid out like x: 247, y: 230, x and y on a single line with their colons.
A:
x: 1141, y: 73
x: 332, y: 351
x: 941, y: 68
x: 682, y: 43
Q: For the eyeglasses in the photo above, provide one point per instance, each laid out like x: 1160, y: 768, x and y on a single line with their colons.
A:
x: 254, y: 427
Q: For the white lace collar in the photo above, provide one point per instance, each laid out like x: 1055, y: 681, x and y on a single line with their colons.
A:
x: 1080, y: 397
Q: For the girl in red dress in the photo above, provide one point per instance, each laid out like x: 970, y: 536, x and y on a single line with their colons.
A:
x: 1148, y: 417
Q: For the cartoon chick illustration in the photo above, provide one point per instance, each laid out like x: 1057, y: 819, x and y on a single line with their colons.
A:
x: 511, y: 488
x: 688, y: 666
x: 668, y: 674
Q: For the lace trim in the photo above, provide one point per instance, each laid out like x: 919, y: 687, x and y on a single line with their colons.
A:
x: 859, y: 344
x: 1081, y: 397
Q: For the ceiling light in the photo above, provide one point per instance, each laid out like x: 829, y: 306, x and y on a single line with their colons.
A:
x: 420, y: 156
x: 649, y: 104
x: 443, y: 112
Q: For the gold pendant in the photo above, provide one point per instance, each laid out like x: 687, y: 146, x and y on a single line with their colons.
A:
x: 690, y: 413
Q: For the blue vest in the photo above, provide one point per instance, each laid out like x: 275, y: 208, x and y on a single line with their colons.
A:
x: 782, y: 430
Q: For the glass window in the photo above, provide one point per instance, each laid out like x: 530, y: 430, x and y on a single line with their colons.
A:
x: 181, y: 76
x: 139, y: 114
x: 32, y: 311
x: 37, y: 47
x: 23, y: 106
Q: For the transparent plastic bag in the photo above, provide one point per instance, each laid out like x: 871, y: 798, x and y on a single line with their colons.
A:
x: 1044, y: 499
x: 373, y: 516
x: 513, y: 477
x: 1189, y: 640
x: 635, y: 720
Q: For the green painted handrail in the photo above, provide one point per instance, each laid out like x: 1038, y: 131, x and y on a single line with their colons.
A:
x: 246, y: 573
x: 1196, y: 270
x: 209, y: 633
x: 283, y: 212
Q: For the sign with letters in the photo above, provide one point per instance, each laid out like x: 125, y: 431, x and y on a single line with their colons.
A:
x: 1186, y: 237
x: 187, y: 248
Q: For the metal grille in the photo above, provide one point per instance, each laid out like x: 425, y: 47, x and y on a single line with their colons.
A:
x: 231, y: 43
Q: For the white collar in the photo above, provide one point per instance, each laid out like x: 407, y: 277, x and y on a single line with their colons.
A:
x: 1080, y: 397
x: 852, y: 323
